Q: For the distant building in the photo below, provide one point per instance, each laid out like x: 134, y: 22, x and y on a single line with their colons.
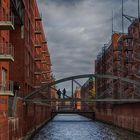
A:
x: 54, y: 95
x: 65, y: 105
x: 108, y: 63
x: 78, y: 96
x: 88, y: 93
x: 120, y: 57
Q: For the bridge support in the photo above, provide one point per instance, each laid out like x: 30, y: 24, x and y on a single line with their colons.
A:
x: 88, y: 114
x: 77, y: 83
x: 72, y: 86
x: 72, y: 82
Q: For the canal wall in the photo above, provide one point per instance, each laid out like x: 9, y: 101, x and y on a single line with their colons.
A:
x: 88, y: 115
x: 28, y: 118
x: 125, y: 115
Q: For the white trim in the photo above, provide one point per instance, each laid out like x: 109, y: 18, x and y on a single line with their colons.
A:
x: 6, y: 93
x: 6, y: 57
x: 6, y: 25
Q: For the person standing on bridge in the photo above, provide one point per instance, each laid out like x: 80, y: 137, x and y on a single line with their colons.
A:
x: 64, y: 93
x: 59, y: 93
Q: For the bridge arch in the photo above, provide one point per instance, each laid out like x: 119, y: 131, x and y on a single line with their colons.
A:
x: 96, y: 76
x: 80, y: 77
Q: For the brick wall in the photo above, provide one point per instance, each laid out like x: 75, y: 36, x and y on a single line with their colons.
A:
x: 4, y: 64
x: 28, y: 117
x: 122, y: 115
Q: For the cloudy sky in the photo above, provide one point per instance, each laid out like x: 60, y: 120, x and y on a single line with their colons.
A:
x: 76, y: 31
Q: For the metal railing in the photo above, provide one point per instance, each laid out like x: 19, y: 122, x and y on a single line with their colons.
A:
x: 45, y: 82
x: 6, y: 49
x: 7, y: 22
x: 37, y: 44
x: 137, y: 90
x: 118, y: 48
x: 136, y: 56
x: 117, y: 58
x: 44, y: 61
x: 37, y: 71
x: 7, y: 88
x: 38, y: 30
x: 38, y: 17
x: 46, y: 71
x: 136, y: 72
x: 45, y: 50
x: 38, y: 57
x: 7, y: 19
x: 44, y: 41
x: 128, y: 60
x: 127, y: 47
x: 12, y: 106
x: 37, y: 84
x: 136, y: 40
x: 127, y: 36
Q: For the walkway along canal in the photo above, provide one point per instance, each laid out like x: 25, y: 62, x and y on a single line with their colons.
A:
x: 76, y: 127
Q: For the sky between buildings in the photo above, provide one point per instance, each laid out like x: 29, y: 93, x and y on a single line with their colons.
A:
x: 76, y: 31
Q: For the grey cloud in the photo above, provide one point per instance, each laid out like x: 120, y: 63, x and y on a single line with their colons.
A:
x: 77, y: 30
x: 64, y: 2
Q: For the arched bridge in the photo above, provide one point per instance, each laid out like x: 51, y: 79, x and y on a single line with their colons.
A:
x: 74, y: 78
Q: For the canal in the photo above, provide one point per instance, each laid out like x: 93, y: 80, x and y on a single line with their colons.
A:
x: 76, y: 127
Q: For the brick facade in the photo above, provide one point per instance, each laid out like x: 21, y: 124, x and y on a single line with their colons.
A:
x: 120, y: 57
x: 77, y: 94
x: 88, y: 93
x: 4, y: 70
x: 24, y: 59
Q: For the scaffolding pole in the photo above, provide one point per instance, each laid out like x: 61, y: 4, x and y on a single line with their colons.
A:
x: 122, y: 17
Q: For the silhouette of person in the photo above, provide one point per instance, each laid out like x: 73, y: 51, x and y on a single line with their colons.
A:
x: 59, y: 93
x: 64, y: 93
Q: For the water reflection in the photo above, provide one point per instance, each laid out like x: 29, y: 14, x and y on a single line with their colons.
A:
x: 76, y: 127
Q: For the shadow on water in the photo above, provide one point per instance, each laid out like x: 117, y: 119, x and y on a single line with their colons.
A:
x: 72, y: 121
x: 76, y: 127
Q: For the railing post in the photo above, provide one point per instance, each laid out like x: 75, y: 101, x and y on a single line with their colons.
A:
x: 120, y: 88
x: 72, y: 88
x: 49, y: 94
x: 96, y: 88
x: 135, y: 90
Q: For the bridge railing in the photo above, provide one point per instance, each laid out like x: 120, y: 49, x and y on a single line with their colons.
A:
x: 102, y: 98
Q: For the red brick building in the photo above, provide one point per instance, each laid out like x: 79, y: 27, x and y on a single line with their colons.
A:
x: 32, y: 66
x: 108, y: 63
x: 6, y: 57
x: 121, y: 58
x: 77, y: 94
x: 24, y: 62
